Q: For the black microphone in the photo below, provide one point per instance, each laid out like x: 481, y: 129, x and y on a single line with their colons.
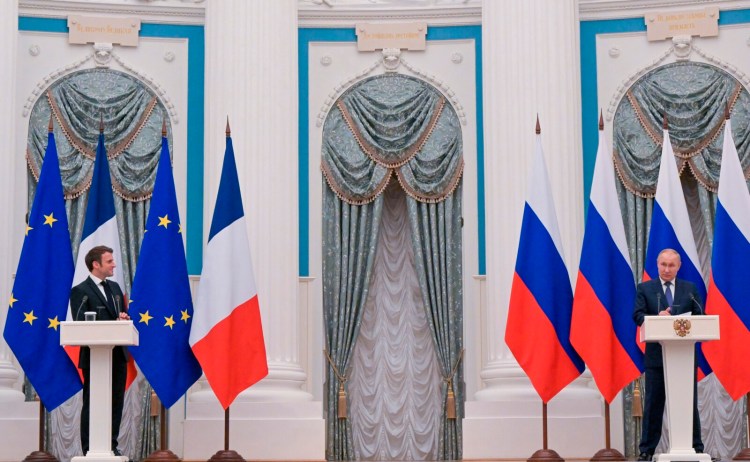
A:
x: 83, y: 302
x: 658, y: 303
x: 700, y: 308
x: 117, y: 304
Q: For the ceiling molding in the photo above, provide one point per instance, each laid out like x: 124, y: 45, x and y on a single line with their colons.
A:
x: 619, y: 9
x: 336, y: 13
x: 189, y: 12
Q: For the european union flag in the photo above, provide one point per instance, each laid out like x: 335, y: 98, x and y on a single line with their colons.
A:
x: 39, y: 301
x: 161, y: 306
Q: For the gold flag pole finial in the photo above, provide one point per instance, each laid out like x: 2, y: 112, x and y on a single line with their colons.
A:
x: 665, y: 124
x: 50, y: 127
x: 101, y: 123
x: 601, y: 120
x: 538, y: 126
x: 726, y: 111
x: 228, y: 130
x: 164, y: 128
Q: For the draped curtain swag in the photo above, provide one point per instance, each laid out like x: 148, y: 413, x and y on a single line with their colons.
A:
x: 132, y: 116
x: 392, y: 125
x: 693, y: 96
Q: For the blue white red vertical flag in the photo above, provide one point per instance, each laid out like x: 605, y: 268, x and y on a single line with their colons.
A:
x: 100, y: 224
x: 602, y: 330
x: 227, y: 335
x: 161, y: 306
x: 670, y: 228
x: 39, y: 300
x: 729, y: 290
x: 100, y: 228
x: 541, y: 300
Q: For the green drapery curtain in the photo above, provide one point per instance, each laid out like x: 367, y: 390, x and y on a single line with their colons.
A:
x: 693, y: 97
x: 132, y: 117
x: 391, y: 127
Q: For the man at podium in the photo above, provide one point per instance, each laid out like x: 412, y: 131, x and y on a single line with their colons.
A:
x: 99, y: 295
x: 665, y: 296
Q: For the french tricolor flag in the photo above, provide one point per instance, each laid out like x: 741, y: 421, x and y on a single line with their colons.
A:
x: 541, y: 299
x: 729, y: 287
x: 100, y: 225
x: 227, y: 336
x: 100, y: 228
x: 670, y: 228
x: 603, y: 331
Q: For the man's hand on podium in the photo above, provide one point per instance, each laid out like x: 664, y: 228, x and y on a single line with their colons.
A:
x: 124, y: 316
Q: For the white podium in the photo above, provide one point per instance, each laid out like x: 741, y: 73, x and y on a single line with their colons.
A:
x: 677, y: 336
x: 100, y: 337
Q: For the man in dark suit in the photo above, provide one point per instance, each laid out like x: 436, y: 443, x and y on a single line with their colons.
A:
x: 105, y: 298
x: 665, y: 296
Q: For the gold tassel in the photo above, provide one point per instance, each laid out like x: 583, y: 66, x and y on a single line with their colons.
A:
x: 637, y: 408
x: 342, y: 402
x: 155, y: 404
x: 450, y: 403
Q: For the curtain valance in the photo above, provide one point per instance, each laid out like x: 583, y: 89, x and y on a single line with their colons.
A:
x: 392, y: 125
x: 132, y: 117
x: 693, y: 97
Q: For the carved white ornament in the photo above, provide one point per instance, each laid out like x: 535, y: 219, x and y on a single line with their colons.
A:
x: 53, y: 76
x: 169, y: 56
x: 34, y: 50
x: 391, y: 59
x: 614, y: 52
x: 326, y: 60
x: 102, y: 54
x: 683, y: 45
x: 457, y: 58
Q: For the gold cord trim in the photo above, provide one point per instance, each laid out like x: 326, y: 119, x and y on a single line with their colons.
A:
x: 432, y: 199
x: 336, y: 190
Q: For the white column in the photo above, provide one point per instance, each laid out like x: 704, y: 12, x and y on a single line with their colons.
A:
x: 251, y: 77
x: 530, y: 64
x: 10, y: 227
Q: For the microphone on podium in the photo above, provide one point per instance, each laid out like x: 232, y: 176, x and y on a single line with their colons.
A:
x: 700, y: 308
x: 83, y: 302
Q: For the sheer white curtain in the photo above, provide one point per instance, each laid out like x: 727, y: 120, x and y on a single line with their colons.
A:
x: 394, y: 387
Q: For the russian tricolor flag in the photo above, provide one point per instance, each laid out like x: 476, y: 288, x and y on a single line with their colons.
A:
x: 729, y: 286
x: 541, y: 299
x: 670, y: 228
x: 227, y: 336
x: 603, y: 331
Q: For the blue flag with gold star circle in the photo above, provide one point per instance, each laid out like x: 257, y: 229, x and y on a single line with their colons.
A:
x: 39, y: 301
x: 161, y: 306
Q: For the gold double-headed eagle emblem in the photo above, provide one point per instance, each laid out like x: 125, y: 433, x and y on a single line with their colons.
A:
x: 681, y: 327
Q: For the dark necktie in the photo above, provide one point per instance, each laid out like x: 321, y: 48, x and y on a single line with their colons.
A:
x: 108, y: 293
x: 668, y: 292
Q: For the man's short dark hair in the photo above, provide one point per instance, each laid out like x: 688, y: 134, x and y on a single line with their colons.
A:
x: 95, y: 255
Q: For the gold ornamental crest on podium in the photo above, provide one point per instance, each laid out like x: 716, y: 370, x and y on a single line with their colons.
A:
x: 681, y: 327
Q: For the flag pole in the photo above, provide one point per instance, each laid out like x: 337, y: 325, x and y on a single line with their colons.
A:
x: 607, y: 454
x: 41, y: 455
x: 545, y: 454
x: 227, y: 455
x: 745, y: 453
x: 162, y: 454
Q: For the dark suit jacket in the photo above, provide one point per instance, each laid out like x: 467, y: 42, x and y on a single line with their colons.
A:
x: 650, y: 300
x: 95, y: 301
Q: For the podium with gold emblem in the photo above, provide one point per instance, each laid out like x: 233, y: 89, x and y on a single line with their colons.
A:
x: 677, y: 336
